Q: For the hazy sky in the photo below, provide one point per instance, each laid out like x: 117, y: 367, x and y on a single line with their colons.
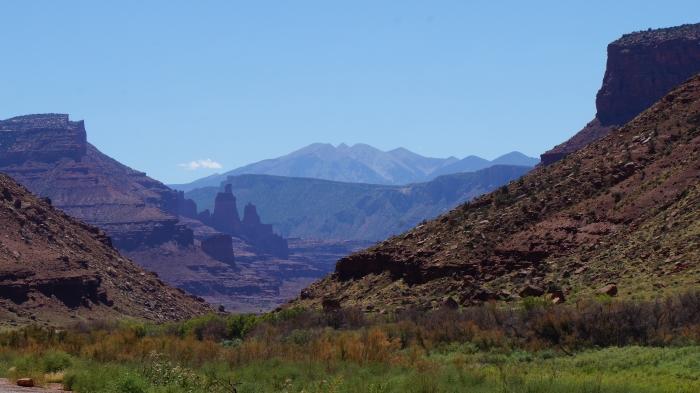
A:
x: 175, y: 88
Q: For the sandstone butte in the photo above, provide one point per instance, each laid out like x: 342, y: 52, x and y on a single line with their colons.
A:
x: 55, y: 269
x: 622, y: 211
x: 642, y: 67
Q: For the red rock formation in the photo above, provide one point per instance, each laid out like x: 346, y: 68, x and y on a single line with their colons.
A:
x: 205, y: 217
x: 49, y: 155
x: 25, y: 138
x: 620, y: 213
x: 642, y: 67
x: 251, y: 218
x: 220, y: 247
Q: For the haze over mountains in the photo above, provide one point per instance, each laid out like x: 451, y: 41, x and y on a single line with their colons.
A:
x: 361, y: 163
x: 324, y: 209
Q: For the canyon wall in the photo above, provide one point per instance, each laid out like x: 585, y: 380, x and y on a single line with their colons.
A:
x: 642, y: 67
x: 49, y: 154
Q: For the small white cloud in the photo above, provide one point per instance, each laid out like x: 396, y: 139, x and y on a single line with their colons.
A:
x: 206, y: 164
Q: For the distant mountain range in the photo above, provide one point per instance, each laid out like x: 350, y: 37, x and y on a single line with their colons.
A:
x: 323, y: 209
x: 361, y: 164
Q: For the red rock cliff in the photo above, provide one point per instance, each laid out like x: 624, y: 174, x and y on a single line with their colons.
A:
x: 49, y: 155
x: 642, y: 67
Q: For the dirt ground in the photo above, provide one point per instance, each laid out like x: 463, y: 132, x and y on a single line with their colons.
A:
x: 7, y: 386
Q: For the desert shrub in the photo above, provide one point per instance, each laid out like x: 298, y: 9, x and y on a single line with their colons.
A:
x: 91, y: 377
x: 69, y: 381
x: 160, y: 372
x: 128, y: 383
x: 56, y: 361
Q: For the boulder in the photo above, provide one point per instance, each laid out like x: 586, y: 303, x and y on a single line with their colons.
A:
x: 449, y: 302
x: 581, y: 270
x: 484, y: 295
x: 610, y: 290
x: 531, y: 291
x: 25, y: 382
x: 556, y: 297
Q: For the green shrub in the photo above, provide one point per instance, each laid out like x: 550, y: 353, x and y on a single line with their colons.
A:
x: 55, y: 361
x: 127, y: 383
x: 238, y: 325
x: 69, y: 381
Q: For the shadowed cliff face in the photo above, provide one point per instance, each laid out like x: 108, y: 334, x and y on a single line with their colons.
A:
x: 220, y: 247
x: 642, y: 67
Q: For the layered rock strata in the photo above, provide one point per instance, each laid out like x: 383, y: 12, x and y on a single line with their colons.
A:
x: 641, y: 68
x: 50, y: 155
x: 55, y: 268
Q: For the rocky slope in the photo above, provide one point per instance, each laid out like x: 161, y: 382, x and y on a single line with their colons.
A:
x: 55, y: 269
x: 621, y: 211
x: 642, y: 67
x: 313, y: 208
x: 360, y: 163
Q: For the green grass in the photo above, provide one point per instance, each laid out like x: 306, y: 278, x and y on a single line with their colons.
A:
x: 457, y: 368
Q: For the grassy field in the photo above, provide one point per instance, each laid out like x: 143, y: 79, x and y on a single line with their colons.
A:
x: 471, y: 350
x: 457, y: 369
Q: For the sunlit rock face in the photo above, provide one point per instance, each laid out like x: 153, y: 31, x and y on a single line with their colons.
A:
x: 642, y: 67
x: 50, y: 155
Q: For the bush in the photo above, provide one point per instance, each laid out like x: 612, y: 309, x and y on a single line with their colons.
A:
x: 69, y: 381
x: 128, y: 383
x: 56, y: 361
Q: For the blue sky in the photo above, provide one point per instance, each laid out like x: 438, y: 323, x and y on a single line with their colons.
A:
x: 163, y: 84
